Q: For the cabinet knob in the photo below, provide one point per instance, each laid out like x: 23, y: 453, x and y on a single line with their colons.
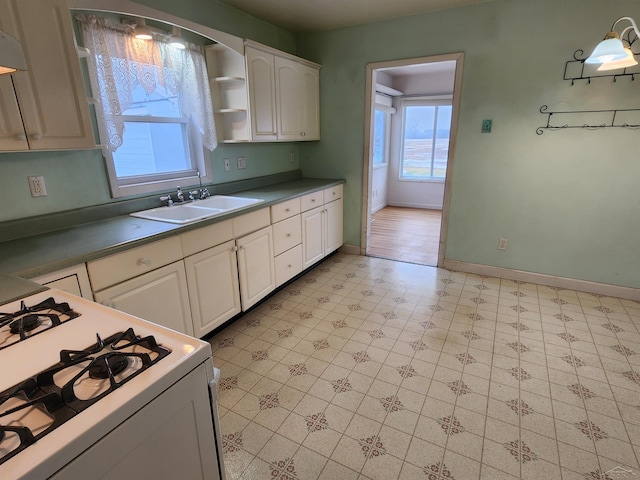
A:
x: 108, y: 303
x: 234, y: 249
x: 287, y: 210
x: 288, y: 235
x: 36, y: 136
x: 144, y: 261
x: 21, y: 137
x: 313, y: 200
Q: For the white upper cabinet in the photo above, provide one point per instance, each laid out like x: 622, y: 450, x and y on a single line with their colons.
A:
x: 44, y: 108
x: 297, y: 100
x: 283, y: 96
x: 262, y: 95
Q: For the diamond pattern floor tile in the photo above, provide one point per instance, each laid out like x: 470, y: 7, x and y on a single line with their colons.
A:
x: 369, y: 368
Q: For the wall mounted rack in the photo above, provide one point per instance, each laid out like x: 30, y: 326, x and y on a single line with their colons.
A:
x: 590, y: 119
x: 575, y: 70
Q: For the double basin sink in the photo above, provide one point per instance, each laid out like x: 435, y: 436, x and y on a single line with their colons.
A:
x: 197, y: 210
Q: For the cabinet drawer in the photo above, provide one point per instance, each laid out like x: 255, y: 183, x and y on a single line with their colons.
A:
x: 311, y: 200
x: 250, y: 222
x: 133, y: 262
x: 285, y: 210
x: 206, y: 237
x: 333, y: 193
x: 286, y: 234
x: 288, y: 265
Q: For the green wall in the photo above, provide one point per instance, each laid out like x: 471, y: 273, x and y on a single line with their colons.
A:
x: 568, y: 201
x: 76, y: 179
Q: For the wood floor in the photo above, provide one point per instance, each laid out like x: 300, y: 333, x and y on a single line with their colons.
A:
x: 406, y: 234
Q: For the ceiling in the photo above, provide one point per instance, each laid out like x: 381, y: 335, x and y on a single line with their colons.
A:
x: 317, y: 15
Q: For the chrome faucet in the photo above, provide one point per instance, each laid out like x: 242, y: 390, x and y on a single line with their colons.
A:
x: 179, y: 195
x: 204, y: 192
x: 192, y: 194
x: 168, y: 199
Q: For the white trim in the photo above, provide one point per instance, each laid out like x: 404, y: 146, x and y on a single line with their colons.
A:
x: 416, y: 205
x: 543, y: 279
x: 126, y: 7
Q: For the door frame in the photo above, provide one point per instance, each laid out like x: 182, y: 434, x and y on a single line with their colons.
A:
x: 368, y: 171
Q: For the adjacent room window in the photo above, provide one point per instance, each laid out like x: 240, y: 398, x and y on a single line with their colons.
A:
x: 425, y: 138
x: 381, y: 135
x: 153, y: 108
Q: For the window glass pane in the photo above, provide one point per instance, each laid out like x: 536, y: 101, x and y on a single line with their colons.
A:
x: 159, y: 103
x: 441, y: 153
x: 379, y: 138
x: 418, y: 141
x: 152, y: 148
x: 425, y: 147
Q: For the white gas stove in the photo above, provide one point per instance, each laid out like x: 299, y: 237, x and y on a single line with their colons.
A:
x: 90, y: 392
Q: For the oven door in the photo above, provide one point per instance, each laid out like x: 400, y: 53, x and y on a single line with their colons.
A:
x: 171, y: 437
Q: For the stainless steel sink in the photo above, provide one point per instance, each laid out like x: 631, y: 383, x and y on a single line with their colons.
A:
x: 198, y: 210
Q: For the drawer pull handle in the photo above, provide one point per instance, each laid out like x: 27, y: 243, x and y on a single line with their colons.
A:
x: 313, y: 200
x: 289, y: 266
x: 146, y: 261
x: 288, y: 235
x: 287, y: 210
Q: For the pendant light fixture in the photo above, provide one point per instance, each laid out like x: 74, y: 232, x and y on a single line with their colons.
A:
x: 611, y: 52
x: 142, y: 32
x: 176, y: 40
x: 11, y: 54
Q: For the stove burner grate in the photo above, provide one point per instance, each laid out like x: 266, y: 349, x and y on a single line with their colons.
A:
x: 107, y: 361
x: 32, y: 320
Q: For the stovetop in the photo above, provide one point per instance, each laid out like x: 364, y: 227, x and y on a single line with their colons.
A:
x: 65, y: 384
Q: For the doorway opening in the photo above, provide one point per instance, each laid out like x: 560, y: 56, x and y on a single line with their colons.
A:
x: 411, y: 118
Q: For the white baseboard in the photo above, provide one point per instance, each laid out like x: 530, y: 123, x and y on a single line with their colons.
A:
x: 542, y: 279
x: 416, y: 205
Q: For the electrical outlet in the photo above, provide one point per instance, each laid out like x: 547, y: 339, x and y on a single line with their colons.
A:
x: 242, y: 163
x: 292, y: 157
x: 37, y: 186
x: 486, y: 125
x: 502, y: 243
x: 227, y: 165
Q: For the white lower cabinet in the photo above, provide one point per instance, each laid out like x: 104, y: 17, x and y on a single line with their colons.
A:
x: 212, y: 278
x: 322, y: 227
x: 256, y: 268
x: 196, y: 281
x: 73, y: 280
x: 159, y: 296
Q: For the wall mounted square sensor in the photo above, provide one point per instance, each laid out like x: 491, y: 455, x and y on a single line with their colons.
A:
x: 486, y: 125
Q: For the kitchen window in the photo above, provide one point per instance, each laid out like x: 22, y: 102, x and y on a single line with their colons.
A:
x: 153, y: 108
x: 426, y: 126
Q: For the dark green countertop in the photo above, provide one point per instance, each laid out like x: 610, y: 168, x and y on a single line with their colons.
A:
x: 14, y: 288
x: 36, y: 255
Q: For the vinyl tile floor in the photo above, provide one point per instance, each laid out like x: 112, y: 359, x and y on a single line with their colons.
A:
x: 366, y: 368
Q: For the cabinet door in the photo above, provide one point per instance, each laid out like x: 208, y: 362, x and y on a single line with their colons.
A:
x: 12, y: 136
x: 159, y: 296
x: 310, y: 102
x: 212, y: 278
x: 333, y: 226
x: 51, y: 93
x: 72, y: 280
x: 288, y: 99
x: 256, y: 269
x: 313, y: 241
x: 262, y: 94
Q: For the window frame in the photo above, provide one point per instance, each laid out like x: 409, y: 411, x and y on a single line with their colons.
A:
x: 382, y: 104
x: 430, y: 100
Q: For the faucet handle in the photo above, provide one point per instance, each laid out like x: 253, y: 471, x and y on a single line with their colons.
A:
x: 204, y: 193
x: 168, y: 199
x: 192, y: 195
x: 179, y: 194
